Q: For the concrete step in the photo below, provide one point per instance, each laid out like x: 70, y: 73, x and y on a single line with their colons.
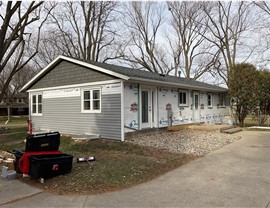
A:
x: 232, y: 130
x: 225, y: 128
x: 144, y: 132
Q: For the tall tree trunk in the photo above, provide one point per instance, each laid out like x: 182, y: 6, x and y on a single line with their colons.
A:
x: 8, y: 114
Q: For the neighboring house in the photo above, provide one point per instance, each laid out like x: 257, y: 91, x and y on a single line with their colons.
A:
x: 83, y: 97
x: 18, y: 107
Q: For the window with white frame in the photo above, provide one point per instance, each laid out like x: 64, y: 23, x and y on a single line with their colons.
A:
x: 221, y: 100
x: 209, y: 100
x: 91, y: 101
x: 37, y: 104
x: 183, y: 98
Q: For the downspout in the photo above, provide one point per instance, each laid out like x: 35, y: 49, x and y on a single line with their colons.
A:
x: 157, y: 99
x: 30, y: 112
x: 139, y: 108
x: 193, y: 97
x: 199, y: 106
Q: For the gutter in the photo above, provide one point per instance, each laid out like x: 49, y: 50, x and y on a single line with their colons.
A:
x: 176, y: 84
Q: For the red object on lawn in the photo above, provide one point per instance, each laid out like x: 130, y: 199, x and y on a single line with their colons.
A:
x: 30, y: 127
x: 24, y: 162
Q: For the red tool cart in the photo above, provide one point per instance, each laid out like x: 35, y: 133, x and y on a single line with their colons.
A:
x: 41, y: 157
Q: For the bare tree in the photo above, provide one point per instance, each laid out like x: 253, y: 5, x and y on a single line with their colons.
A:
x: 263, y: 33
x: 51, y: 45
x: 263, y: 5
x: 16, y: 83
x: 198, y: 55
x: 82, y: 29
x: 16, y: 19
x: 227, y: 22
x: 143, y: 21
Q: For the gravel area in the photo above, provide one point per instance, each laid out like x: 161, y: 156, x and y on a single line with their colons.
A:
x: 187, y: 141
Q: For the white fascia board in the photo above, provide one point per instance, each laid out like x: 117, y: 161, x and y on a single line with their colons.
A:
x: 142, y: 80
x: 76, y: 85
x: 88, y: 65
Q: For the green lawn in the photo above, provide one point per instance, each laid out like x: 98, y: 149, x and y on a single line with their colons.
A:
x: 251, y: 121
x: 14, y: 120
x: 118, y: 165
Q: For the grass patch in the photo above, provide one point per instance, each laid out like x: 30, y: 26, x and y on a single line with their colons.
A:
x: 13, y: 138
x: 15, y: 129
x: 14, y: 120
x: 257, y: 129
x: 251, y: 121
x: 118, y: 165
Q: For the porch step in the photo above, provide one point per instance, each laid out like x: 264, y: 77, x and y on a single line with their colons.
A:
x: 144, y: 132
x: 232, y: 130
x: 221, y: 130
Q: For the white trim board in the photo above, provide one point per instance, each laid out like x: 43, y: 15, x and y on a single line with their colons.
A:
x: 122, y: 112
x: 76, y: 85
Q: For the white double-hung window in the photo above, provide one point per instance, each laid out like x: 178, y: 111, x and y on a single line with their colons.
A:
x: 91, y: 101
x: 37, y: 104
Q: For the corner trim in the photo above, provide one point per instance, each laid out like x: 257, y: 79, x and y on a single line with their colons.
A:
x: 122, y: 112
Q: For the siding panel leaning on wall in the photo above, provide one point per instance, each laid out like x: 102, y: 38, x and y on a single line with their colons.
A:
x: 64, y: 115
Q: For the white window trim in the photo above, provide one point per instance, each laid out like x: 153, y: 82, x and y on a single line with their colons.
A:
x: 187, y: 98
x: 211, y: 94
x: 36, y: 94
x: 91, y: 100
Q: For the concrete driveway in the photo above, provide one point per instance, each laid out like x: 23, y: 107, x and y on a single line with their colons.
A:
x: 237, y: 175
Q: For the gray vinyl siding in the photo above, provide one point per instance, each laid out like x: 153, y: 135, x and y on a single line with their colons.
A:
x: 64, y: 115
x: 67, y: 73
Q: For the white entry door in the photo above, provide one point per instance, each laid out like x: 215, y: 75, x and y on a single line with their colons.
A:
x: 146, y: 108
x: 196, y: 107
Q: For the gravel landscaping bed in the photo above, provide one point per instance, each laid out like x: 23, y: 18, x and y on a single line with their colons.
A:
x: 187, y: 141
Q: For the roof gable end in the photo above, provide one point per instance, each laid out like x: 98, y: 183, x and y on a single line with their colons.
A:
x: 56, y: 61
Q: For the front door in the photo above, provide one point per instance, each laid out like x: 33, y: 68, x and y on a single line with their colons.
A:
x: 146, y: 108
x: 196, y: 109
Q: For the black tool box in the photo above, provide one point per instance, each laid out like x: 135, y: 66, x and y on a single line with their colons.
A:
x: 41, y: 158
x: 43, y: 142
x: 47, y: 166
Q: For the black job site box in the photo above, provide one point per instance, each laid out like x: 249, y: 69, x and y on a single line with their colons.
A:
x: 43, y: 142
x: 47, y: 166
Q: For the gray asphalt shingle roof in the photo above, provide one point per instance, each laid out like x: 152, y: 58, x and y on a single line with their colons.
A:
x: 151, y: 76
x: 131, y: 74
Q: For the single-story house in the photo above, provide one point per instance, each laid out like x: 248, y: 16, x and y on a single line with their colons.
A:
x: 80, y: 97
